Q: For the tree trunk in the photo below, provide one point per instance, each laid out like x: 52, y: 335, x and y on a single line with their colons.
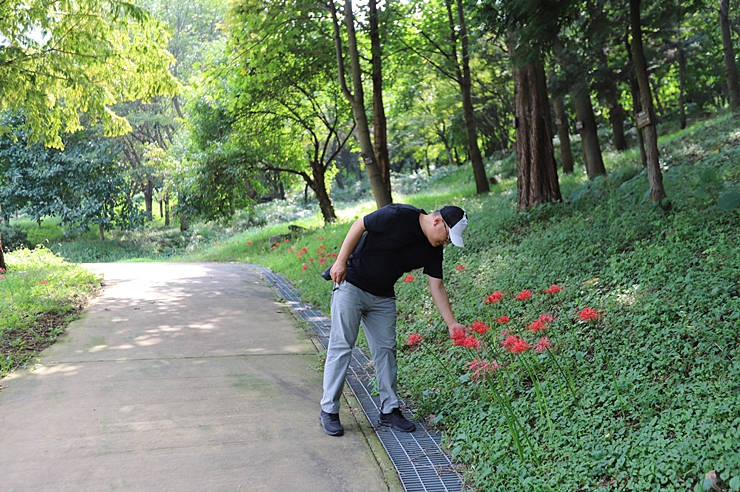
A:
x: 589, y: 135
x: 616, y: 116
x: 184, y: 226
x: 537, y: 180
x: 149, y: 199
x: 166, y: 211
x: 381, y: 193
x: 636, y: 104
x: 655, y: 177
x: 681, y: 55
x: 561, y: 122
x: 733, y: 86
x: 101, y: 232
x: 3, y: 266
x: 380, y: 125
x: 465, y: 82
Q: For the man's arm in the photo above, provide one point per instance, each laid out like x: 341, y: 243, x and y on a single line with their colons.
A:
x: 339, y: 269
x: 442, y: 301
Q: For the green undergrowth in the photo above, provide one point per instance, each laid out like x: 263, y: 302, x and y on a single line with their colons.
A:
x: 41, y: 293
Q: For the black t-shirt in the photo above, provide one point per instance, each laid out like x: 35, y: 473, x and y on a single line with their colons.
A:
x: 393, y: 245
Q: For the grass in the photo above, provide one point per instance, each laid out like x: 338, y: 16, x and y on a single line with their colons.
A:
x: 643, y: 395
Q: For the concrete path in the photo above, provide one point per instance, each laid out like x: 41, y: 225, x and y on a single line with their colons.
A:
x: 181, y: 377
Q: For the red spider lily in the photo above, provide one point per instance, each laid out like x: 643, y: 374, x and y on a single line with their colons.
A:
x: 458, y: 338
x: 414, y: 339
x: 479, y: 327
x: 481, y: 367
x: 304, y: 250
x: 515, y: 345
x: 409, y: 278
x: 503, y: 319
x: 543, y: 345
x: 471, y: 343
x: 322, y: 246
x: 524, y: 295
x: 494, y: 298
x: 537, y: 326
x: 589, y: 314
x: 322, y: 261
x: 321, y: 239
x: 460, y: 268
x: 554, y: 289
x: 546, y: 318
x: 43, y: 282
x: 2, y: 277
x: 310, y: 259
x: 304, y: 267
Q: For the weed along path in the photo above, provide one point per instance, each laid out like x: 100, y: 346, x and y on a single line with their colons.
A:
x: 180, y: 376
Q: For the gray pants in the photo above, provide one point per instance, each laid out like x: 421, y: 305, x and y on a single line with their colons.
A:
x: 350, y: 306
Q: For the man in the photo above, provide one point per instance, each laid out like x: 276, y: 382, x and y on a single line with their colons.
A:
x: 378, y: 250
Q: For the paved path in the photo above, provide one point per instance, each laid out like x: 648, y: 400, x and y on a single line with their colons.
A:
x: 186, y: 377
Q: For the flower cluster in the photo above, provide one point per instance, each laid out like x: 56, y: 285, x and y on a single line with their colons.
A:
x: 409, y: 278
x: 494, y: 298
x: 480, y: 368
x: 589, y: 314
x: 515, y: 344
x: 414, y: 339
x: 460, y: 339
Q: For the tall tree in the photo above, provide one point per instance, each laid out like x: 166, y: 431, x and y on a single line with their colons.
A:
x: 356, y: 98
x: 380, y: 123
x: 647, y: 117
x: 733, y: 86
x: 59, y: 59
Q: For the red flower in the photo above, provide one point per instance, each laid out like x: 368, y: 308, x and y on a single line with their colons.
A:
x: 249, y: 243
x: 322, y: 246
x: 458, y: 338
x: 479, y: 327
x: 460, y: 268
x: 409, y: 278
x: 414, y: 339
x: 543, y: 344
x: 589, y: 314
x: 494, y: 298
x: 304, y: 267
x: 524, y: 295
x: 471, y: 343
x: 2, y: 277
x: 321, y: 239
x: 554, y: 289
x: 515, y: 345
x: 304, y: 251
x: 503, y: 319
x: 537, y: 326
x: 44, y: 282
x: 546, y: 318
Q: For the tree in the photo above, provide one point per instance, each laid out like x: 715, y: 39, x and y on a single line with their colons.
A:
x: 356, y: 99
x: 84, y: 185
x: 60, y: 59
x: 647, y: 118
x: 733, y: 86
x: 448, y: 50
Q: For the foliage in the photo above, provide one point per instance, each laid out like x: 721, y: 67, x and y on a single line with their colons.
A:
x: 62, y: 58
x: 83, y: 185
x: 41, y: 294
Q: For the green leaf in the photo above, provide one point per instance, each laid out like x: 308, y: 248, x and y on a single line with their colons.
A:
x: 729, y: 201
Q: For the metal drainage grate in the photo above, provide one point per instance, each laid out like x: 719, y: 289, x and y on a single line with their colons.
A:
x: 418, y: 457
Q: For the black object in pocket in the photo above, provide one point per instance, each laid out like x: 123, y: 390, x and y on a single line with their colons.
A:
x: 327, y: 273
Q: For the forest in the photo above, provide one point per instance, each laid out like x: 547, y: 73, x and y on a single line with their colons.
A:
x: 593, y: 143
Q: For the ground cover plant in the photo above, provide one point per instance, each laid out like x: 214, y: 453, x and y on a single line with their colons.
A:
x: 602, y: 352
x: 41, y: 293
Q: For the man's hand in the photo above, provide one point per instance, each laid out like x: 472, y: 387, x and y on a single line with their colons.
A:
x: 457, y: 327
x: 338, y: 272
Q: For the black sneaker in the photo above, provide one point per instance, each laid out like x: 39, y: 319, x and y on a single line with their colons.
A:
x: 396, y: 421
x: 330, y: 423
